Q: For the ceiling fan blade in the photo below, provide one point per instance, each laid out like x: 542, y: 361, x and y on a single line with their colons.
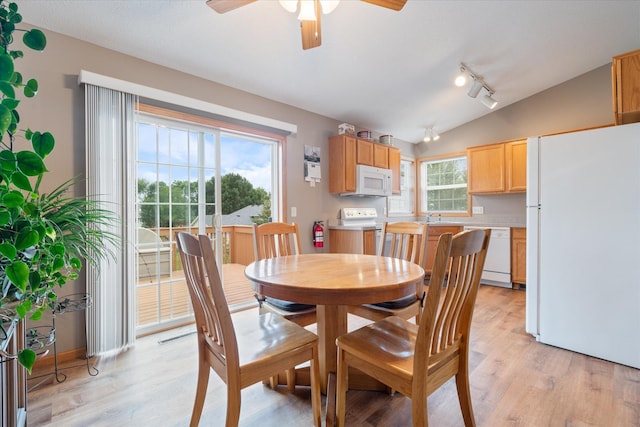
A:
x: 311, y: 32
x: 389, y: 4
x: 223, y: 6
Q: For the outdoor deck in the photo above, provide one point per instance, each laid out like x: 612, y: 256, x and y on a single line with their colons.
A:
x: 237, y: 289
x: 166, y: 297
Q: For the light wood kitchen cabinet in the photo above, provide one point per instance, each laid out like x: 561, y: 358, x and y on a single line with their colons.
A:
x: 625, y: 75
x: 516, y: 165
x: 519, y: 256
x: 372, y: 153
x: 433, y: 234
x: 342, y: 164
x: 345, y: 152
x: 343, y: 241
x: 498, y: 168
x: 394, y: 165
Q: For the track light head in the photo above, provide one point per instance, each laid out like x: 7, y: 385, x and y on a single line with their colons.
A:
x: 488, y: 101
x: 430, y: 135
x: 475, y: 88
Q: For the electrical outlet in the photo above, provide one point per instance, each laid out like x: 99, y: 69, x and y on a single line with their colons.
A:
x: 478, y: 210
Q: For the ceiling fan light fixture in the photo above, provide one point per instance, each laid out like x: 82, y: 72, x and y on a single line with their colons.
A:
x: 289, y: 5
x: 307, y: 10
x: 328, y: 6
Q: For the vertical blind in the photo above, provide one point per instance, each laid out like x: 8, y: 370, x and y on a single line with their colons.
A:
x: 110, y: 164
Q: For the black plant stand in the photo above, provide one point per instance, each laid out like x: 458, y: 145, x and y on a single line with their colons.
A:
x: 37, y: 340
x: 74, y: 302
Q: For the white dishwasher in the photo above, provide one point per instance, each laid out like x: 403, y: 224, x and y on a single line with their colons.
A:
x: 497, y: 264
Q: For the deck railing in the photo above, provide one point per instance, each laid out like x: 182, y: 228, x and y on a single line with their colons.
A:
x: 237, y: 243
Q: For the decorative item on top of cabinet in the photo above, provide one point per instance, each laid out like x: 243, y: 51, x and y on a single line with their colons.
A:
x: 625, y: 77
x: 518, y: 256
x: 433, y: 234
x: 498, y: 168
x: 345, y: 152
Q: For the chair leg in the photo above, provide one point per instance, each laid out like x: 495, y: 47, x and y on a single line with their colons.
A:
x: 233, y: 405
x: 316, y: 400
x: 201, y: 392
x: 419, y: 411
x: 341, y: 388
x: 464, y: 396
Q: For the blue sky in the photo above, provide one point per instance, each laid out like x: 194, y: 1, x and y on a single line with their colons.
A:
x: 177, y: 149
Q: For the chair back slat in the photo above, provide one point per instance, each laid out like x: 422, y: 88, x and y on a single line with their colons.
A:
x: 453, y: 287
x: 405, y: 240
x: 213, y: 319
x: 274, y: 239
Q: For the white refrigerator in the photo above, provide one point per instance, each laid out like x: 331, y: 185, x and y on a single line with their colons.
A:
x: 583, y: 242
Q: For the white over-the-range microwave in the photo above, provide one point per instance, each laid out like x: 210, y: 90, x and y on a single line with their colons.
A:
x: 371, y: 181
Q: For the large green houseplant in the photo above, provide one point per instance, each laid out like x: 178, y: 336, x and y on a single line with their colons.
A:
x: 43, y: 236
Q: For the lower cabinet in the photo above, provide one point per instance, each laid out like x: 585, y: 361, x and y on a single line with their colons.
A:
x: 343, y: 241
x: 433, y: 234
x: 519, y: 256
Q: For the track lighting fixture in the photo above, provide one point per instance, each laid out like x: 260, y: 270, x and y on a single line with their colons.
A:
x: 430, y: 135
x: 474, y: 90
x: 488, y: 101
x: 476, y: 87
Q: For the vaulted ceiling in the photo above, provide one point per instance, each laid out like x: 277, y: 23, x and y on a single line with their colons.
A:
x: 391, y: 72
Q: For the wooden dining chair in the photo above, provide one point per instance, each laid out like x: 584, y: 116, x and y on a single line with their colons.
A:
x: 242, y: 353
x: 406, y: 240
x: 417, y: 359
x: 274, y: 239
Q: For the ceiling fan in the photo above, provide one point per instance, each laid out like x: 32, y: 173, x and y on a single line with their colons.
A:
x: 310, y: 11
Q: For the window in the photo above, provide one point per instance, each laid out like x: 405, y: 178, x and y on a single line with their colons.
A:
x: 443, y: 185
x: 404, y: 203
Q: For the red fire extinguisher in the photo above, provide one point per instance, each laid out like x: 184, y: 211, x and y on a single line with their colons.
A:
x: 318, y: 234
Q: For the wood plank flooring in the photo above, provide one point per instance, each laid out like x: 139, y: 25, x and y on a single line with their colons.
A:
x: 515, y: 381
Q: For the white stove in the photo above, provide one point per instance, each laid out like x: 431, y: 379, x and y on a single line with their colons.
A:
x: 358, y: 216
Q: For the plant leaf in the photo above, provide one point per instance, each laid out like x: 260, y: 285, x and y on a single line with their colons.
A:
x: 35, y: 39
x: 21, y: 181
x: 43, y: 144
x: 5, y: 216
x: 31, y: 88
x: 6, y: 66
x: 18, y: 274
x: 13, y: 199
x: 27, y: 358
x: 26, y: 238
x: 7, y: 89
x: 30, y: 163
x: 8, y: 250
x: 5, y: 119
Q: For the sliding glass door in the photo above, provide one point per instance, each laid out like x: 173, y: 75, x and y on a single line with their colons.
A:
x: 202, y: 180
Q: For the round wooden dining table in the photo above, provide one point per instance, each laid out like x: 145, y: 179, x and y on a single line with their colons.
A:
x: 333, y: 282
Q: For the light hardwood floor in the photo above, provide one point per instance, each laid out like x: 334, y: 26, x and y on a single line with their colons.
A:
x: 515, y: 381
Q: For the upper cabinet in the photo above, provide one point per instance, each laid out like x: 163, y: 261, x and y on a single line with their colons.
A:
x: 498, y: 168
x: 345, y: 152
x: 625, y: 73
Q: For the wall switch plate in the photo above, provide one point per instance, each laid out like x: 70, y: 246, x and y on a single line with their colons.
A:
x: 294, y: 211
x: 478, y: 210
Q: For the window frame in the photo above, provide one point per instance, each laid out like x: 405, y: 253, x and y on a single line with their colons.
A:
x: 413, y: 164
x: 419, y: 181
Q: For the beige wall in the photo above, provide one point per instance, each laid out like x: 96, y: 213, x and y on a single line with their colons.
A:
x: 59, y: 108
x: 582, y: 102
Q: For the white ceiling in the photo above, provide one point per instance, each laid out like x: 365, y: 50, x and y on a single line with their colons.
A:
x: 390, y: 72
